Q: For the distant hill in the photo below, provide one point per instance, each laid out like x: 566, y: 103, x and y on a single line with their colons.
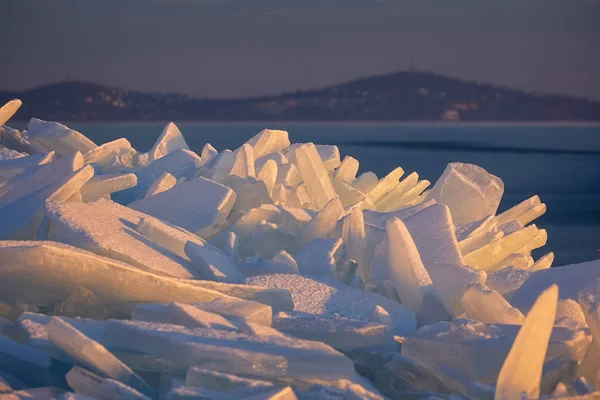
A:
x: 401, y: 96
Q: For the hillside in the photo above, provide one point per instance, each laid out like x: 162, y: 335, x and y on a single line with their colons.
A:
x: 402, y: 96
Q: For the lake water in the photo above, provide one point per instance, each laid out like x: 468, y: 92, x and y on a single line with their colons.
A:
x: 560, y: 163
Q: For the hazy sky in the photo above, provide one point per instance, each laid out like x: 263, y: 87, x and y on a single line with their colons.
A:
x: 252, y: 47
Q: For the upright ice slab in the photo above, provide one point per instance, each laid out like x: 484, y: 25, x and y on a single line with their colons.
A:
x: 269, y: 141
x: 8, y: 110
x: 314, y: 174
x: 522, y: 370
x: 470, y: 191
x: 206, y: 209
x: 169, y: 140
x: 407, y: 270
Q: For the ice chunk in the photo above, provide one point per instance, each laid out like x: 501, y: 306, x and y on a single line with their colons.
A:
x: 278, y: 158
x: 288, y: 175
x: 225, y: 383
x: 169, y: 140
x: 365, y: 182
x: 250, y: 192
x: 24, y: 275
x: 267, y: 240
x: 347, y: 170
x: 171, y: 163
x: 57, y: 137
x: 269, y: 141
x: 38, y: 393
x: 407, y: 270
x: 281, y: 263
x: 12, y: 167
x: 268, y: 174
x: 522, y: 369
x: 314, y: 174
x: 320, y: 256
x: 355, y: 238
x: 243, y: 165
x: 569, y: 278
x: 488, y: 256
x: 451, y: 280
x: 323, y: 224
x: 433, y: 232
x: 112, y: 157
x: 328, y: 296
x: 97, y: 387
x: 230, y: 352
x: 163, y: 183
x: 209, y: 210
x: 8, y: 110
x: 108, y: 229
x: 193, y: 317
x: 470, y: 191
x: 415, y: 194
x: 93, y: 355
x: 488, y: 306
x: 517, y: 260
x: 13, y: 139
x: 338, y: 332
x: 101, y: 186
x: 213, y: 264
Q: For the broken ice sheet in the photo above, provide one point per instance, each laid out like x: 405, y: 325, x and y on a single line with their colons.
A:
x: 326, y: 295
x: 24, y: 275
x: 97, y: 387
x: 209, y: 210
x: 233, y: 309
x: 346, y: 172
x: 108, y: 229
x: 198, y: 377
x: 93, y: 355
x: 323, y: 224
x: 338, y: 332
x: 522, y: 369
x: 230, y: 352
x: 470, y: 191
x: 194, y: 317
x: 57, y: 137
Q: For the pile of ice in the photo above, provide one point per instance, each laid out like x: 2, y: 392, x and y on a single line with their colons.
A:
x: 273, y: 271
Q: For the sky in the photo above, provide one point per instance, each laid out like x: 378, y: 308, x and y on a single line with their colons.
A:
x: 238, y: 48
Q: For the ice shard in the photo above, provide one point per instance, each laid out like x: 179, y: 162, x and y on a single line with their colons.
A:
x: 323, y: 224
x: 169, y: 140
x: 269, y: 141
x: 522, y: 369
x: 315, y: 175
x: 213, y: 264
x: 346, y: 172
x: 101, y: 186
x: 8, y: 110
x: 355, y: 239
x: 163, y: 183
x: 57, y: 137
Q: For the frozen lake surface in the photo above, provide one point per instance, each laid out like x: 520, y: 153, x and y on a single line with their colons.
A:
x: 560, y: 163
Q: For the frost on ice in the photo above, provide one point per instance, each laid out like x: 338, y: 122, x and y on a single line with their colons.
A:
x: 275, y: 271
